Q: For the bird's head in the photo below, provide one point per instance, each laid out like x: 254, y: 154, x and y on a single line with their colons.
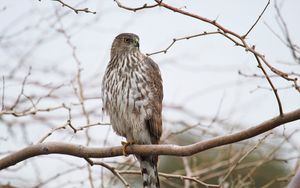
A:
x: 125, y: 42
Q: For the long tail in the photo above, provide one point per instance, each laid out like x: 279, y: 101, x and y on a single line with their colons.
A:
x: 148, y: 165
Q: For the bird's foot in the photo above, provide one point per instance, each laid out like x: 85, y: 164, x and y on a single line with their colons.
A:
x: 125, y: 144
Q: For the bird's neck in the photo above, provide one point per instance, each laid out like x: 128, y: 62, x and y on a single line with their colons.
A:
x: 123, y: 52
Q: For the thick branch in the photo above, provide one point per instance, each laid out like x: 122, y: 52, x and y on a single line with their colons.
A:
x: 89, y: 152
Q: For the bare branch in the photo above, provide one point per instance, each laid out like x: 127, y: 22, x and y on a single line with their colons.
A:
x: 76, y: 10
x: 239, y: 40
x: 175, y: 176
x: 272, y: 85
x: 31, y: 111
x: 51, y: 132
x: 188, y: 171
x: 181, y: 38
x: 89, y: 152
x: 295, y: 181
x: 294, y: 49
x: 110, y: 168
x: 136, y: 8
x: 68, y: 124
x: 242, y: 158
x: 3, y: 93
x: 22, y: 89
x: 244, y: 36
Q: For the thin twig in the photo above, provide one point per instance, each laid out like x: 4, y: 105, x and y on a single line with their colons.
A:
x: 76, y: 10
x: 264, y: 159
x: 244, y: 36
x: 22, y: 90
x: 145, y: 6
x: 68, y: 124
x: 52, y: 90
x: 179, y: 39
x: 176, y: 176
x: 91, y: 125
x: 286, y: 32
x: 110, y: 168
x: 51, y: 132
x: 30, y: 111
x: 3, y: 93
x: 242, y: 158
x: 272, y: 86
x: 255, y: 75
x: 79, y: 95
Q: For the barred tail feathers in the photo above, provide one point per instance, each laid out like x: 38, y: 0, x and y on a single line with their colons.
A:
x: 148, y: 165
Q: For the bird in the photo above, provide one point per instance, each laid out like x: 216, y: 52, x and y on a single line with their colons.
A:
x: 132, y: 95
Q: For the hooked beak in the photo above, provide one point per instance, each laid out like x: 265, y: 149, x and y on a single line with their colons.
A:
x: 136, y: 43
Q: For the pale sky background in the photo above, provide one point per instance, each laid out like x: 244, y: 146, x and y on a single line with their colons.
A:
x: 200, y: 74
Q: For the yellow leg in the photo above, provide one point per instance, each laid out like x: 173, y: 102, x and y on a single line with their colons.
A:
x: 125, y: 144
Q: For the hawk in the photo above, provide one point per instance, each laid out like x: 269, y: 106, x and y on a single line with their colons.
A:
x: 132, y: 95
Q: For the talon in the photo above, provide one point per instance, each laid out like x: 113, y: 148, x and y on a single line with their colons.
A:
x: 125, y: 144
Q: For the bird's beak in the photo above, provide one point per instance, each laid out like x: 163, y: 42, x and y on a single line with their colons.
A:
x: 137, y: 43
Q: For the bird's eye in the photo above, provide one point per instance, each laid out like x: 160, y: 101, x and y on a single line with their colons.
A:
x: 127, y: 40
